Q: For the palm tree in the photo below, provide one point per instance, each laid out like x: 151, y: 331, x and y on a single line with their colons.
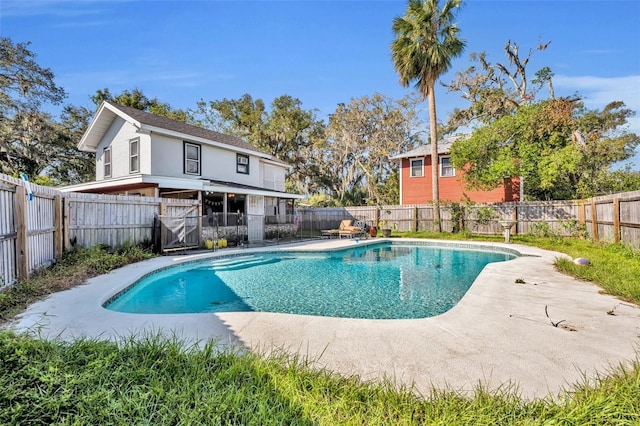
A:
x: 426, y: 42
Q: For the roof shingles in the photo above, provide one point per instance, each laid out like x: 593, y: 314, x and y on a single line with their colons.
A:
x: 149, y: 119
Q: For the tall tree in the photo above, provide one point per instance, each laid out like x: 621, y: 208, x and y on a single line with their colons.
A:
x: 497, y: 89
x: 425, y: 44
x: 24, y: 85
x: 71, y: 166
x: 27, y: 135
x: 361, y: 137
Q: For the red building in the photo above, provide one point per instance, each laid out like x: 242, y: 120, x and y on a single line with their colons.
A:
x: 415, y: 179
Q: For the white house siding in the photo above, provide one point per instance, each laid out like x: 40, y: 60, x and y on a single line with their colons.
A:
x: 120, y: 132
x: 167, y: 159
x: 145, y: 154
x: 273, y: 177
x: 167, y: 156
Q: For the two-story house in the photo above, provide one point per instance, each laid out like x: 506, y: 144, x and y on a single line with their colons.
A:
x: 415, y: 179
x: 138, y: 153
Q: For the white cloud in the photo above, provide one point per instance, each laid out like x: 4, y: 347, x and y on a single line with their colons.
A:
x: 599, y: 91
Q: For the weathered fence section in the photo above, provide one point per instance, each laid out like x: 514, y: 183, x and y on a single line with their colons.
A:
x: 108, y: 219
x: 35, y: 228
x: 554, y: 214
x: 614, y: 218
x: 180, y: 224
x: 29, y: 235
x: 8, y: 234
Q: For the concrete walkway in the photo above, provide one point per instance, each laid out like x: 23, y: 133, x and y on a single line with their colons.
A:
x: 498, y: 334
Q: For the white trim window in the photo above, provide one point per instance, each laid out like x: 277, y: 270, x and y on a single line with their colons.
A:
x: 191, y: 159
x: 106, y: 160
x: 242, y: 164
x: 446, y: 168
x: 134, y: 156
x: 416, y: 167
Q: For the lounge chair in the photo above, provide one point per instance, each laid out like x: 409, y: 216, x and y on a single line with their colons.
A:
x: 350, y: 231
x: 336, y: 232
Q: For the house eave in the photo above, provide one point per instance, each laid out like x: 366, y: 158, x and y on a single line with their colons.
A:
x: 99, y: 125
x: 174, y: 183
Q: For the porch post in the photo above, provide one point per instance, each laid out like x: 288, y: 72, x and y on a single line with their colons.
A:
x: 224, y: 210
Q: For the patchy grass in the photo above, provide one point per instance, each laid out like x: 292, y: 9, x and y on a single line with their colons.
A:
x: 75, y: 268
x: 156, y: 381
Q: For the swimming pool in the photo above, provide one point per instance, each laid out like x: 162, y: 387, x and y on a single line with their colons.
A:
x: 380, y: 281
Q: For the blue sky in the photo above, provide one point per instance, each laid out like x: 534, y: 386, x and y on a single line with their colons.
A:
x: 322, y: 52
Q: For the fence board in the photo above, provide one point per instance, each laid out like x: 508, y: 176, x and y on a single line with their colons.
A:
x: 8, y: 272
x: 111, y: 219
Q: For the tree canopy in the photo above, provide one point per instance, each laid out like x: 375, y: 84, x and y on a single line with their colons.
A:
x: 494, y: 90
x: 29, y: 138
x: 557, y: 147
x: 361, y: 137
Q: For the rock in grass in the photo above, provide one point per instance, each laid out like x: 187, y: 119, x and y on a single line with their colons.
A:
x: 581, y: 261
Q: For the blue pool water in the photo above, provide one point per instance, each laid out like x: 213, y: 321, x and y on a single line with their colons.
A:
x: 383, y: 281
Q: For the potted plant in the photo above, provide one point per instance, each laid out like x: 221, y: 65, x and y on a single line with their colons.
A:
x: 383, y: 226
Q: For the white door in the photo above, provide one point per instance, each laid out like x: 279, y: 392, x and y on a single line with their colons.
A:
x: 255, y: 217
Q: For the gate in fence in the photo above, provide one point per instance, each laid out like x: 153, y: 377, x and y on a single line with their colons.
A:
x: 180, y: 231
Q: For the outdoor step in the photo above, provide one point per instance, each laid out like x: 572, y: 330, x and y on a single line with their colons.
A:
x: 244, y: 264
x: 233, y: 260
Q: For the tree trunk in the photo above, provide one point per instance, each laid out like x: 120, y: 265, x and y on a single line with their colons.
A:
x: 433, y: 127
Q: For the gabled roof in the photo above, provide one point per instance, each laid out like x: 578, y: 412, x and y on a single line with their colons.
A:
x: 107, y: 112
x: 444, y: 147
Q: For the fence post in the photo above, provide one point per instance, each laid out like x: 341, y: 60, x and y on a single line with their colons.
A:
x: 66, y: 224
x: 582, y: 215
x: 415, y: 219
x: 514, y: 217
x: 594, y: 221
x: 616, y: 220
x: 58, y: 238
x: 163, y: 230
x: 22, y: 243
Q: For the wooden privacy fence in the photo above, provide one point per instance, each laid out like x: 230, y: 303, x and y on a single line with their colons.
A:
x: 35, y: 230
x: 477, y: 218
x: 614, y: 218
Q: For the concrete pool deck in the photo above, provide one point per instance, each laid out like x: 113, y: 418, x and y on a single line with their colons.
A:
x: 497, y: 335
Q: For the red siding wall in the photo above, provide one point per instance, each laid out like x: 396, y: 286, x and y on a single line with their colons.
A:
x: 417, y: 190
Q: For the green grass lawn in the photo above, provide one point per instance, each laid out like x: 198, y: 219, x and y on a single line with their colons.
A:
x: 159, y: 382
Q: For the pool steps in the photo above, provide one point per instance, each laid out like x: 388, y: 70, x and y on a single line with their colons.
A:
x: 243, y: 262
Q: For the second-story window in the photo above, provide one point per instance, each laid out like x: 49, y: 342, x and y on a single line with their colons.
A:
x: 446, y: 168
x: 417, y: 168
x: 242, y: 164
x: 191, y: 158
x: 106, y: 159
x: 134, y: 156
